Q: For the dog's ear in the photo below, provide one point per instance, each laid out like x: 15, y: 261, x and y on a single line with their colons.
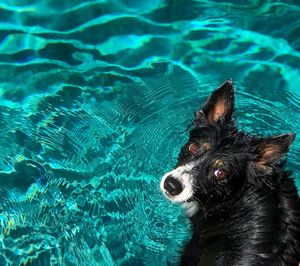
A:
x: 220, y: 105
x: 272, y: 149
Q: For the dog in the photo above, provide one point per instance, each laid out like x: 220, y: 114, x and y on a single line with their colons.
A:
x: 243, y: 206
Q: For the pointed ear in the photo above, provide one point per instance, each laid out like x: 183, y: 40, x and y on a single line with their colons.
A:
x: 220, y: 105
x: 273, y: 148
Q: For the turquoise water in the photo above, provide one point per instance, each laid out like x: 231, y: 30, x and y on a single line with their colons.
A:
x: 93, y: 97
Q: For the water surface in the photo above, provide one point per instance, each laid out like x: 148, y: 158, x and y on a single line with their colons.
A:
x: 93, y: 97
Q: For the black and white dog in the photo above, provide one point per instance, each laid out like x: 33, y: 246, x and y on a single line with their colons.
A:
x: 243, y: 206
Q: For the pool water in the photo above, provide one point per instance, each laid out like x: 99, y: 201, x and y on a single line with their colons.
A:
x: 94, y: 96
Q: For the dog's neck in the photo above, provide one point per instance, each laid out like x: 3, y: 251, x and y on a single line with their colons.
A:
x: 247, y: 227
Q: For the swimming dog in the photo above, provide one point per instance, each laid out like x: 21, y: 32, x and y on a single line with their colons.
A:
x: 243, y: 205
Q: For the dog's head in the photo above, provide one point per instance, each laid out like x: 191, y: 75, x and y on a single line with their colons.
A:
x: 218, y: 160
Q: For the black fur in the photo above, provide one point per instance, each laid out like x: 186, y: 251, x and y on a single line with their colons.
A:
x: 252, y: 216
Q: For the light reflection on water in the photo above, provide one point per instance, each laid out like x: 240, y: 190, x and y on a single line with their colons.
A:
x: 94, y: 96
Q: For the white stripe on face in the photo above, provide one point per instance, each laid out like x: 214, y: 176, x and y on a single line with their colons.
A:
x: 182, y: 174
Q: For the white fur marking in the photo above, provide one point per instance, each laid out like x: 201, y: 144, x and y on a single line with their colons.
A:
x: 190, y: 207
x: 181, y: 173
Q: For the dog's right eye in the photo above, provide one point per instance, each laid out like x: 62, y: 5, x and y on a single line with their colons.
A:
x: 193, y: 148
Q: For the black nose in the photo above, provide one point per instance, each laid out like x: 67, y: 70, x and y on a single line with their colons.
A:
x: 172, y: 185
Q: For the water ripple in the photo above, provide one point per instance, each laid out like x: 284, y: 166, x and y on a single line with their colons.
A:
x: 93, y: 97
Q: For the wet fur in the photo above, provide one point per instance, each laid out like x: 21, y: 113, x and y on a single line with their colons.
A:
x: 254, y: 217
x: 259, y: 227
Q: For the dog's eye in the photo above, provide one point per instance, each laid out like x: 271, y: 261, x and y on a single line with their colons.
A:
x: 193, y: 148
x: 220, y: 174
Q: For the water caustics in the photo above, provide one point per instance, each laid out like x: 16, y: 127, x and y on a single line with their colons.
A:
x: 94, y: 96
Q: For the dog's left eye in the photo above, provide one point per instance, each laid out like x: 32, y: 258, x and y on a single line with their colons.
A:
x: 220, y: 174
x: 193, y: 148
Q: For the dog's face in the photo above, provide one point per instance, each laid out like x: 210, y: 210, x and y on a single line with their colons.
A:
x: 218, y: 160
